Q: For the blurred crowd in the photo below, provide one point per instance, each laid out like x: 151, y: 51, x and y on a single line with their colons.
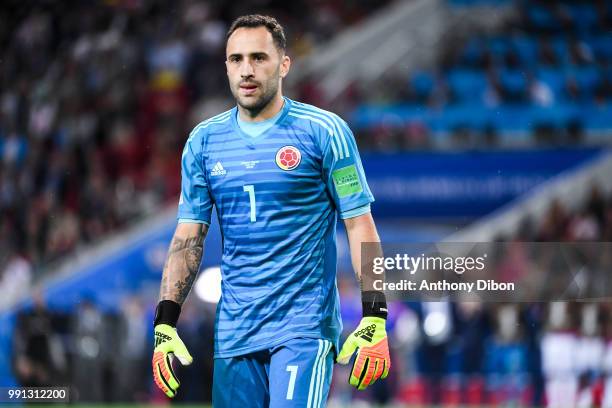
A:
x: 549, y: 353
x: 104, y: 356
x: 96, y: 100
x: 591, y: 222
x: 554, y: 55
x: 501, y: 353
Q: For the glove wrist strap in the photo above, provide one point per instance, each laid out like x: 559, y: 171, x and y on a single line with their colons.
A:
x: 374, y: 304
x: 167, y: 312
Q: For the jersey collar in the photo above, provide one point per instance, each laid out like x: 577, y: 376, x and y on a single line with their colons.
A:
x: 250, y: 139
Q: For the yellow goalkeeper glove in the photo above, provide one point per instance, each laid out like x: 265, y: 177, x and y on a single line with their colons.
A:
x: 373, y: 360
x: 168, y: 345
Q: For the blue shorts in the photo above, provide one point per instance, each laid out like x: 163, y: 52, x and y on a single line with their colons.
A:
x: 296, y: 373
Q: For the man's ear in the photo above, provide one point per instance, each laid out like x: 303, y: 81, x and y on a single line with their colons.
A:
x: 285, y: 66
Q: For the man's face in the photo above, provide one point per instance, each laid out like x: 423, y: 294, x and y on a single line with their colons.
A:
x: 254, y: 67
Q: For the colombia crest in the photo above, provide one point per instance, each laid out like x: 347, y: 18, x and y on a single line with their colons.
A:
x: 288, y: 158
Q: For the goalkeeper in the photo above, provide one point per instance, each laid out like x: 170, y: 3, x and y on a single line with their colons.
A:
x: 279, y: 174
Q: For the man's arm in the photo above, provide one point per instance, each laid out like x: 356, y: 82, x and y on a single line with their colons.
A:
x: 362, y: 229
x: 183, y: 261
x: 369, y: 340
x: 180, y: 271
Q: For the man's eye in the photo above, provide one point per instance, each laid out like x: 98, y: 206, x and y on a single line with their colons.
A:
x: 259, y: 58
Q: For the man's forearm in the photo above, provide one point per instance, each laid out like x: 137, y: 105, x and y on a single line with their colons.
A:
x: 182, y: 262
x: 359, y: 230
x: 180, y: 270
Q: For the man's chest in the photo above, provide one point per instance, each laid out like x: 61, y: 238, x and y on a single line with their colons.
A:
x: 274, y: 168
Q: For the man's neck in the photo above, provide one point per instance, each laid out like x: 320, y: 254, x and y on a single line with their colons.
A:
x: 269, y: 111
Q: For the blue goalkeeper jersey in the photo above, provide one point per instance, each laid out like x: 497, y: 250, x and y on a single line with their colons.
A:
x: 277, y: 196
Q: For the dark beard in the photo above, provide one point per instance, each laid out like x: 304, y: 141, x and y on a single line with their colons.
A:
x: 265, y: 99
x: 254, y: 110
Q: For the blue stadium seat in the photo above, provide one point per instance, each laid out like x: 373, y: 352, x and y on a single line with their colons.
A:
x: 597, y: 118
x: 467, y: 85
x: 422, y: 83
x: 542, y: 18
x: 472, y: 51
x: 526, y: 48
x: 584, y: 16
x: 499, y: 45
x: 516, y: 118
x: 513, y: 80
x: 587, y: 77
x: 560, y: 45
x: 554, y: 78
x: 602, y: 46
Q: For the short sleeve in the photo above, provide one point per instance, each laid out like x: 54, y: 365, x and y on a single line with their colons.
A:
x: 343, y: 171
x: 195, y: 202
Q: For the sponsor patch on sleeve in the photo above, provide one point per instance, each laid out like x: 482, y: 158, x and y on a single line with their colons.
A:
x: 347, y: 181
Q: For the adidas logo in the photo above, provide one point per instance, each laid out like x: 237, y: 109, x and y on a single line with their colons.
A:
x: 161, y: 338
x: 218, y: 170
x: 367, y: 332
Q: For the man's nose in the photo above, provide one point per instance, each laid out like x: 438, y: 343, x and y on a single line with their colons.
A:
x: 246, y: 69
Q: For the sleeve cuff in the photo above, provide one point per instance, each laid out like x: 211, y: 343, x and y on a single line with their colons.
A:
x: 355, y: 212
x: 192, y: 221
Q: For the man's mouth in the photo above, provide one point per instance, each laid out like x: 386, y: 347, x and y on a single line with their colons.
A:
x: 248, y: 89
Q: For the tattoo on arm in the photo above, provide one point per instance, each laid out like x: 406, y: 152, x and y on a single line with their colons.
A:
x: 181, y: 268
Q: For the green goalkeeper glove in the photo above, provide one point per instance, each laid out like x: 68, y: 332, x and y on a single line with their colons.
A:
x: 373, y: 360
x: 168, y: 345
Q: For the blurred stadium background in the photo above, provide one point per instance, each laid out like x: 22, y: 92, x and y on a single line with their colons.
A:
x: 477, y: 121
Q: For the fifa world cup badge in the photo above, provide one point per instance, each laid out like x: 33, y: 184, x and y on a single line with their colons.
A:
x: 288, y: 158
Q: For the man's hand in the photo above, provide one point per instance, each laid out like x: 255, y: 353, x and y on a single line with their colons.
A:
x: 372, y: 361
x: 168, y: 345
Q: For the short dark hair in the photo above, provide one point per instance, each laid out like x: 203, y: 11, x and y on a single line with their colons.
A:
x: 258, y: 20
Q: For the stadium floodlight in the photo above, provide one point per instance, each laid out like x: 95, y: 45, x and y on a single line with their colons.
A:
x: 208, y: 285
x: 436, y: 324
